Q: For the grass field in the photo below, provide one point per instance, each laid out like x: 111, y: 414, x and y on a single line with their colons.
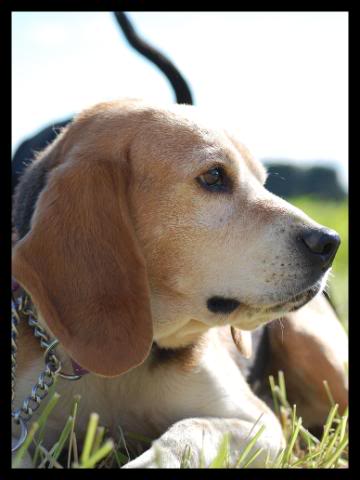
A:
x: 303, y: 450
x: 333, y: 215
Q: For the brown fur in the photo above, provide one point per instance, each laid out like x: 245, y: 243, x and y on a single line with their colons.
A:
x: 185, y: 359
x: 309, y: 348
x: 124, y: 249
x: 83, y: 289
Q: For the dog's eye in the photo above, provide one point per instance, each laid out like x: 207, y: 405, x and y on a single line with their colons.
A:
x: 214, y: 179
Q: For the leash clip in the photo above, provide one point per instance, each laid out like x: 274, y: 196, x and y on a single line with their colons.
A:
x: 16, y: 443
x: 50, y: 358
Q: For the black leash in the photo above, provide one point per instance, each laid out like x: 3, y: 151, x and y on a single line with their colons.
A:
x: 180, y: 86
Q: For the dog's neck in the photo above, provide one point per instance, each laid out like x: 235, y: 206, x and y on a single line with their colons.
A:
x: 159, y: 355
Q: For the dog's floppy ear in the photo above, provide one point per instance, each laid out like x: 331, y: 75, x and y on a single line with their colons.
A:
x: 83, y: 266
x: 242, y: 340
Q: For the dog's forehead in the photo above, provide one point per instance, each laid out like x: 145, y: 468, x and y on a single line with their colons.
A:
x: 208, y: 140
x: 184, y: 137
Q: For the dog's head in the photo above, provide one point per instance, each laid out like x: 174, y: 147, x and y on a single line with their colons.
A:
x: 141, y: 223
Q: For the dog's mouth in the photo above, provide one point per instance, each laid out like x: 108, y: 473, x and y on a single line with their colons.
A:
x: 221, y: 305
x: 297, y: 301
x: 227, y: 306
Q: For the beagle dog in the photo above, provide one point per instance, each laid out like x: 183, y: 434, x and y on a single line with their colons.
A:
x: 151, y: 249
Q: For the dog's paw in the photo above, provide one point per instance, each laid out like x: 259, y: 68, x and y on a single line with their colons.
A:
x: 155, y: 458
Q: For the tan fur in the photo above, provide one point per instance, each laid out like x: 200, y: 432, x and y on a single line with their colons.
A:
x: 126, y: 247
x: 309, y: 347
x: 84, y: 288
x: 29, y: 350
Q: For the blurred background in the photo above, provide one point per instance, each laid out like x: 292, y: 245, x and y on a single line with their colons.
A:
x: 278, y: 79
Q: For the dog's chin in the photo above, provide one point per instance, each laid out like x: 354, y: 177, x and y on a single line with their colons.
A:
x: 295, y: 302
x: 253, y: 316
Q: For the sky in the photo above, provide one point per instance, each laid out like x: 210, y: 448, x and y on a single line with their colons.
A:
x: 278, y: 79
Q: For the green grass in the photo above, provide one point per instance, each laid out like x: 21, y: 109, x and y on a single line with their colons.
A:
x: 334, y: 215
x: 302, y: 450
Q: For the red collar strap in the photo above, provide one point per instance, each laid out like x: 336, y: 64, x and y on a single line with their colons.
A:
x: 78, y: 369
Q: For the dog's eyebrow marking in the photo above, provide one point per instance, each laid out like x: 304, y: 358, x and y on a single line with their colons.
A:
x: 256, y: 167
x: 222, y: 304
x: 215, y: 155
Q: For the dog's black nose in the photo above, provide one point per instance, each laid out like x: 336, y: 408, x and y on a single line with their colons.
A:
x: 322, y: 245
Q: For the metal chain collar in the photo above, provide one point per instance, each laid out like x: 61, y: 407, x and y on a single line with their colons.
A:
x: 22, y: 307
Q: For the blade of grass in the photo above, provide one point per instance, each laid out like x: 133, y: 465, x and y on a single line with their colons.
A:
x: 48, y: 458
x: 307, y: 435
x: 73, y: 414
x: 185, y: 457
x: 337, y: 454
x: 293, y: 418
x: 307, y: 458
x: 47, y: 455
x: 252, y: 458
x: 124, y: 442
x: 344, y: 420
x: 328, y: 425
x: 279, y: 460
x: 281, y: 381
x: 337, y: 439
x: 63, y: 438
x: 222, y: 456
x: 284, y: 418
x: 50, y: 405
x: 274, y: 397
x: 99, y: 455
x: 75, y: 449
x: 89, y: 437
x: 328, y: 393
x: 23, y: 449
x: 331, y: 444
x: 291, y: 442
x: 280, y: 396
x: 249, y: 446
x: 120, y: 458
x: 267, y: 459
x: 99, y: 435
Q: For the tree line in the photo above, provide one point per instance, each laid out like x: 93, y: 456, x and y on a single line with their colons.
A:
x: 289, y: 181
